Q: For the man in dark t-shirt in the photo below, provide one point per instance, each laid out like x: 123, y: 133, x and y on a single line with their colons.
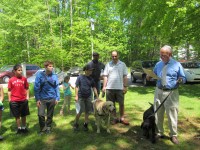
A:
x: 96, y: 74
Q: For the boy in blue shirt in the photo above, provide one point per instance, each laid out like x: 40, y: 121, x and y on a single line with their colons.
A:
x: 83, y: 95
x: 47, y: 95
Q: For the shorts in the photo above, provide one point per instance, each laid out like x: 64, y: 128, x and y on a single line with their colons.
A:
x: 1, y: 108
x: 19, y: 109
x: 85, y: 104
x: 115, y: 96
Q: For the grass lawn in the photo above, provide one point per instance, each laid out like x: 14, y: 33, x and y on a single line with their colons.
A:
x: 121, y: 137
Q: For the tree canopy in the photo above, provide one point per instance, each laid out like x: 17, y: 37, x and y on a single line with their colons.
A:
x: 60, y: 30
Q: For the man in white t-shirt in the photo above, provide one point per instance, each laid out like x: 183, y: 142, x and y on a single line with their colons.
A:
x: 115, y: 85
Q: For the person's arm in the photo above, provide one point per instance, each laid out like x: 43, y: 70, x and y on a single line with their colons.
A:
x: 105, y: 80
x: 76, y: 94
x: 27, y: 94
x: 71, y: 86
x: 9, y: 95
x: 1, y: 93
x: 65, y: 87
x: 125, y: 84
x: 27, y: 88
x: 181, y: 78
x: 57, y: 90
x: 37, y: 87
x: 125, y: 79
x: 95, y: 92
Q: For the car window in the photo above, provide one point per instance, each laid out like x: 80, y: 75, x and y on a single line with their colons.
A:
x: 32, y: 67
x: 191, y: 65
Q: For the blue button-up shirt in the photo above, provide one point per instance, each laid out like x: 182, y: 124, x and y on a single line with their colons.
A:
x: 174, y: 72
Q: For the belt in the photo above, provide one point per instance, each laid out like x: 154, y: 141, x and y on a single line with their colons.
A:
x: 166, y: 89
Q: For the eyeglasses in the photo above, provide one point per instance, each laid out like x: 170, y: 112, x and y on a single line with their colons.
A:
x: 114, y: 56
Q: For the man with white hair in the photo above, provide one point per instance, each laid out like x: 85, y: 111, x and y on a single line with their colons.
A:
x: 171, y: 74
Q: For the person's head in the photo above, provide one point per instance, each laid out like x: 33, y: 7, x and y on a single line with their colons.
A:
x: 88, y: 69
x: 115, y: 56
x: 66, y: 79
x: 17, y: 70
x: 48, y: 66
x: 95, y: 56
x: 165, y: 53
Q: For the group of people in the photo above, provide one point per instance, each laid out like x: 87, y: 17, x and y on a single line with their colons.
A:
x: 87, y: 88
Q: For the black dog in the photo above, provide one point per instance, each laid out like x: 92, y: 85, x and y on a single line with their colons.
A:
x: 149, y: 124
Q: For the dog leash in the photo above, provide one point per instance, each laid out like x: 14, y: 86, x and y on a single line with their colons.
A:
x: 160, y: 105
x: 163, y: 102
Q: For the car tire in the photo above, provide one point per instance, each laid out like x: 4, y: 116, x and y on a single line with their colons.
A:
x: 6, y: 79
x: 144, y: 81
x: 133, y: 79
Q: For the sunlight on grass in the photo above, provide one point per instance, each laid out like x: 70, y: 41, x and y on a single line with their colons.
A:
x: 121, y: 137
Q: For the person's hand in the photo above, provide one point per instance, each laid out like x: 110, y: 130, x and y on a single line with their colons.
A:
x: 38, y: 103
x: 56, y: 102
x: 104, y: 89
x: 76, y: 98
x: 180, y: 80
x: 125, y: 90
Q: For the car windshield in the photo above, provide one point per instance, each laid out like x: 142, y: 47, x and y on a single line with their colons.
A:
x: 191, y: 65
x: 74, y: 69
x: 148, y: 64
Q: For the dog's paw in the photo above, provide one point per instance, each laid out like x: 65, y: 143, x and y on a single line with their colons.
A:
x: 108, y: 130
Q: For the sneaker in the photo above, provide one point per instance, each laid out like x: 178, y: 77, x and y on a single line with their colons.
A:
x: 24, y: 130
x: 85, y: 125
x: 19, y: 131
x: 48, y: 131
x: 115, y: 121
x: 41, y: 133
x: 124, y: 122
x: 174, y: 140
x: 75, y: 127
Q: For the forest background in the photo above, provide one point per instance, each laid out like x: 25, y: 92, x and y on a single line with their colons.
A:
x: 67, y: 31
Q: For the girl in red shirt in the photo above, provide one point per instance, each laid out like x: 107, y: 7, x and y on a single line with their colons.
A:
x: 18, y: 95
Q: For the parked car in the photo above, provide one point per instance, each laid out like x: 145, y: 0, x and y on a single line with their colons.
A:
x: 6, y: 72
x: 137, y: 72
x: 192, y: 71
x: 59, y: 73
x: 74, y: 71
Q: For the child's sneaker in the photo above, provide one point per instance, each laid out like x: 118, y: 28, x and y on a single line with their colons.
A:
x: 25, y: 130
x: 19, y: 131
x: 76, y: 127
x: 85, y: 125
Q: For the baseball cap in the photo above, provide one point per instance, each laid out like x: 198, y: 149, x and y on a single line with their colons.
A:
x: 95, y: 54
x: 88, y: 67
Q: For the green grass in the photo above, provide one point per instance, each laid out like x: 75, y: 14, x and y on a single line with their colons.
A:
x: 121, y: 137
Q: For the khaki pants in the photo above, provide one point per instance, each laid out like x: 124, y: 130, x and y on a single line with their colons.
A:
x: 171, y: 108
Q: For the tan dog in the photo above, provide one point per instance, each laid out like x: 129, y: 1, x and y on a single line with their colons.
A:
x: 102, y: 112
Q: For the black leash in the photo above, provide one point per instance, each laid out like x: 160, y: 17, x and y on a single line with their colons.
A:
x: 163, y: 102
x: 160, y: 105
